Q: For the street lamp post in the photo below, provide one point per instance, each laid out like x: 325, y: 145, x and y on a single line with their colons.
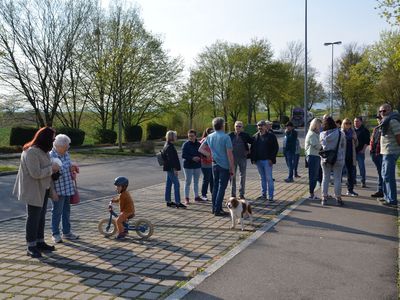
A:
x: 331, y: 98
x: 305, y: 70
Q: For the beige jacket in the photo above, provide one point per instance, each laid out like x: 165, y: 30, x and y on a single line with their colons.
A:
x: 34, y: 176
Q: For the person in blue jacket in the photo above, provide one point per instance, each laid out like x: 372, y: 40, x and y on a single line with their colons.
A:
x: 289, y: 149
x: 191, y: 165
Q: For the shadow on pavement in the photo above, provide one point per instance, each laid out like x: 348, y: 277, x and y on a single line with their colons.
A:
x: 336, y: 227
x: 360, y: 206
x: 116, y: 280
x: 198, y: 295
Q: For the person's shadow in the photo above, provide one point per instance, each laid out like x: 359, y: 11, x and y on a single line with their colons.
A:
x: 120, y: 270
x: 121, y: 263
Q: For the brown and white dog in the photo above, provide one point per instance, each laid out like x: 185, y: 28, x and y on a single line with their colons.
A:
x: 239, y: 208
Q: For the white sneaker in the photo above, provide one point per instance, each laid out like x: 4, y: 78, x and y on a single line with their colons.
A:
x: 70, y: 236
x: 204, y: 198
x: 57, y: 239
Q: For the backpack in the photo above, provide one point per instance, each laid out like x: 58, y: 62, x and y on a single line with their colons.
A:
x: 330, y: 156
x: 160, y: 158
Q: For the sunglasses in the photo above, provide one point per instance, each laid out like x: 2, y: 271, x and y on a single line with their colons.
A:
x: 382, y: 111
x: 239, y: 126
x: 347, y: 123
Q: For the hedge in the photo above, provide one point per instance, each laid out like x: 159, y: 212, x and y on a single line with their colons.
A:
x: 20, y: 135
x: 76, y: 135
x: 105, y: 136
x: 133, y: 133
x: 155, y: 131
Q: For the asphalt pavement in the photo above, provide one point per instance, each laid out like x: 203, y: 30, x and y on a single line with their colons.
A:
x: 95, y: 180
x: 317, y: 252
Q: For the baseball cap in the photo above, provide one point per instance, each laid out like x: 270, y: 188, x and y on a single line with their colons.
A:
x: 268, y: 122
x: 261, y: 123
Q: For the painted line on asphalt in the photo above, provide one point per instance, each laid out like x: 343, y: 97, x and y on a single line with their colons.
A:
x: 193, y: 283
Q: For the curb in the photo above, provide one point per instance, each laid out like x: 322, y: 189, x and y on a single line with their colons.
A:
x: 199, y: 278
x: 8, y: 173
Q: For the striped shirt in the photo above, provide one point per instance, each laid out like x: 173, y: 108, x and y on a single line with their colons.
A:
x: 64, y: 185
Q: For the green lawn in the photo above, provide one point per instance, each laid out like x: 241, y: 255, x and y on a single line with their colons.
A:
x: 7, y: 168
x: 398, y: 167
x: 4, y: 136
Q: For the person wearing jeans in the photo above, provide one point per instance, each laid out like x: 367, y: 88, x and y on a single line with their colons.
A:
x: 191, y: 165
x: 329, y: 139
x: 171, y: 166
x: 350, y: 156
x: 263, y: 153
x: 264, y: 168
x: 240, y: 142
x: 221, y: 150
x: 206, y: 167
x: 64, y: 189
x: 390, y: 150
x: 172, y: 180
x: 363, y: 137
x: 312, y: 147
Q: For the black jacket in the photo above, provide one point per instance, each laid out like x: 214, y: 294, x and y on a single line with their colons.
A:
x: 171, y: 159
x: 247, y: 139
x: 363, y: 136
x: 264, y: 147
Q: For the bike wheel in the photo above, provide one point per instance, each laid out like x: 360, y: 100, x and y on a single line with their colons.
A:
x: 144, y: 228
x: 103, y: 224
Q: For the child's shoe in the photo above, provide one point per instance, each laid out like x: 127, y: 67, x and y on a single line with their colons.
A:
x: 121, y: 236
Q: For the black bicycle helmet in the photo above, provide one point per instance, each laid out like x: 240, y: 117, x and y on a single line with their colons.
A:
x: 121, y: 181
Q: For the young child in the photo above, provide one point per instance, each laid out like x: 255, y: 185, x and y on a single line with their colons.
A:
x: 126, y: 207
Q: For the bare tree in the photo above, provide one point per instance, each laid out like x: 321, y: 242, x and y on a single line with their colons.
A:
x: 38, y: 38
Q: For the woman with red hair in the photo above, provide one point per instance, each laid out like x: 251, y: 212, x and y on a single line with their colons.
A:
x: 32, y: 186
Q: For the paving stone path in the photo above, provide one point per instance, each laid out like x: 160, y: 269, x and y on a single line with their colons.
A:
x: 184, y: 243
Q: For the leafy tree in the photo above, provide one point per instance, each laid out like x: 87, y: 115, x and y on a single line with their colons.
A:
x: 215, y: 63
x: 193, y: 96
x: 128, y: 78
x: 385, y: 56
x: 355, y: 81
x: 390, y: 9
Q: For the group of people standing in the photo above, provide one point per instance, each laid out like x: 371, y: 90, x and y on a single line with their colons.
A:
x: 349, y: 143
x: 46, y: 170
x: 219, y: 156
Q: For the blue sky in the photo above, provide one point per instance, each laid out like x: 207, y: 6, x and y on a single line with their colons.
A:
x: 188, y: 26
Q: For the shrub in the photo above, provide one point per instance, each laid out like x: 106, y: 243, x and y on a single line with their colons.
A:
x: 284, y: 120
x: 147, y: 147
x: 155, y: 131
x: 105, y: 136
x: 76, y: 135
x: 133, y: 133
x: 19, y: 136
x: 250, y: 129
